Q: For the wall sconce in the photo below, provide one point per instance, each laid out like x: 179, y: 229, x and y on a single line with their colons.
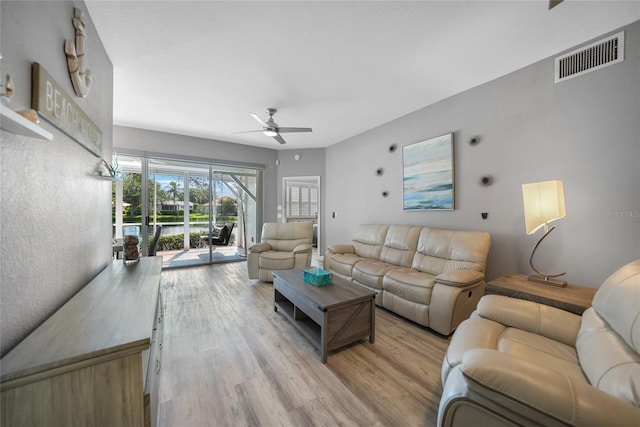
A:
x: 543, y: 203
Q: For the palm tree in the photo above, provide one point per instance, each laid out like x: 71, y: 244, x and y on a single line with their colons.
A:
x: 173, y: 192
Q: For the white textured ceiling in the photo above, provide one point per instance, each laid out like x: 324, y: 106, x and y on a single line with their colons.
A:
x: 341, y: 67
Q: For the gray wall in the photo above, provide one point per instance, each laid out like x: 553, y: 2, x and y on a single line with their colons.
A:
x: 55, y: 213
x: 584, y: 131
x: 311, y: 163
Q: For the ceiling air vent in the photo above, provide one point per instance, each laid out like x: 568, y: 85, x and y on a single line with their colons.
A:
x: 597, y: 55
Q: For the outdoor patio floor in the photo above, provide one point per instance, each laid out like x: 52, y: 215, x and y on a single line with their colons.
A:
x: 199, y: 256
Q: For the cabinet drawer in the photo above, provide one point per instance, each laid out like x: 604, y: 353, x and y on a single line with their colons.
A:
x: 153, y: 366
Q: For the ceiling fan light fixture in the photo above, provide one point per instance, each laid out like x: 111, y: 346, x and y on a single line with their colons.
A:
x: 270, y: 132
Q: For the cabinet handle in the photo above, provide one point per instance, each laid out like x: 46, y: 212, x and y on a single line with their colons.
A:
x: 157, y: 366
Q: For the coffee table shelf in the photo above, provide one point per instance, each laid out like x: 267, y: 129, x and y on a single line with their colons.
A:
x: 329, y: 316
x: 301, y: 321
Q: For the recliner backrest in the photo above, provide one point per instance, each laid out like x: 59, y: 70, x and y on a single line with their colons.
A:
x: 618, y: 302
x: 368, y: 240
x: 400, y: 245
x: 608, y: 342
x: 284, y: 237
x: 440, y: 251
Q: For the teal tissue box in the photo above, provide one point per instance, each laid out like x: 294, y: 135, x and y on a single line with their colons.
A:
x: 317, y: 276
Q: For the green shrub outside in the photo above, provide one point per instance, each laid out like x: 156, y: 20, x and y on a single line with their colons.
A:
x: 176, y: 241
x: 176, y: 218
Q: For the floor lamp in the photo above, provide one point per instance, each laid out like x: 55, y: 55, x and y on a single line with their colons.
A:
x: 543, y: 203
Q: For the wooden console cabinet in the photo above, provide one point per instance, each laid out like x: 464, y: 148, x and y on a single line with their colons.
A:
x: 95, y: 361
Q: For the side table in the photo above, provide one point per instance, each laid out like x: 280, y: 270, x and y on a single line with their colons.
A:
x: 573, y: 298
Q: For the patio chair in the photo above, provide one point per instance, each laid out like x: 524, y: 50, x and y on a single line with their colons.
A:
x: 224, y: 236
x: 153, y: 247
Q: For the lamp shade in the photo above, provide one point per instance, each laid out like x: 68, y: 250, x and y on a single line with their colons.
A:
x: 543, y: 203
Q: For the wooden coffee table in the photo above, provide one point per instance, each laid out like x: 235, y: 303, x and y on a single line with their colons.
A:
x: 329, y: 316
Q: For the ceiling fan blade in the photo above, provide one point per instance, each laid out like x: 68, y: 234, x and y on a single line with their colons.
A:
x: 248, y: 131
x: 259, y: 120
x: 554, y: 3
x: 285, y: 130
x: 279, y: 139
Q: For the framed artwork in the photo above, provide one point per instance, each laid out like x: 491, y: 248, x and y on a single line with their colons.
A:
x: 428, y: 174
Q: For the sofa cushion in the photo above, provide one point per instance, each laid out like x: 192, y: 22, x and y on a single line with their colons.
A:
x: 409, y: 309
x: 478, y: 332
x: 368, y: 240
x: 540, y: 351
x: 440, y: 251
x: 371, y: 272
x: 530, y: 394
x: 409, y: 284
x: 400, y: 245
x: 551, y: 322
x: 343, y: 263
x: 274, y: 260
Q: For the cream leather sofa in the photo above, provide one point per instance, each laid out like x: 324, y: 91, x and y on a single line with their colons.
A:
x: 283, y: 246
x: 431, y: 276
x: 517, y: 362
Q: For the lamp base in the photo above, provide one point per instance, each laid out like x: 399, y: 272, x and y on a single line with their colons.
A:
x: 548, y: 281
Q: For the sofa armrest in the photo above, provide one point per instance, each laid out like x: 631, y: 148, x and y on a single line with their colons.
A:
x: 260, y: 247
x: 450, y: 305
x: 459, y: 278
x: 532, y: 317
x: 538, y: 393
x: 302, y: 248
x: 341, y: 249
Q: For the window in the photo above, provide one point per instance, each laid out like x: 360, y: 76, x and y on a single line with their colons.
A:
x: 301, y: 200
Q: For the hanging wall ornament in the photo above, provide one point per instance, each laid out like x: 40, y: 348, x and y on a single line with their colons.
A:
x: 80, y: 78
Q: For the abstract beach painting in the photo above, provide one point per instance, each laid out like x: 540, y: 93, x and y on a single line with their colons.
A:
x: 428, y: 174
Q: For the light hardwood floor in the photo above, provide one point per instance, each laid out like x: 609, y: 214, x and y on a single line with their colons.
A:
x: 228, y: 359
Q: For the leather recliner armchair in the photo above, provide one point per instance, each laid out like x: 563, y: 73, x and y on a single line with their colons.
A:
x: 516, y: 362
x: 283, y: 246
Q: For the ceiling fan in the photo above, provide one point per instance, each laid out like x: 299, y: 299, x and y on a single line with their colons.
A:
x: 554, y: 3
x: 271, y: 128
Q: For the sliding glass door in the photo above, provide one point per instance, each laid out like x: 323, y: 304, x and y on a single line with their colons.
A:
x: 207, y: 212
